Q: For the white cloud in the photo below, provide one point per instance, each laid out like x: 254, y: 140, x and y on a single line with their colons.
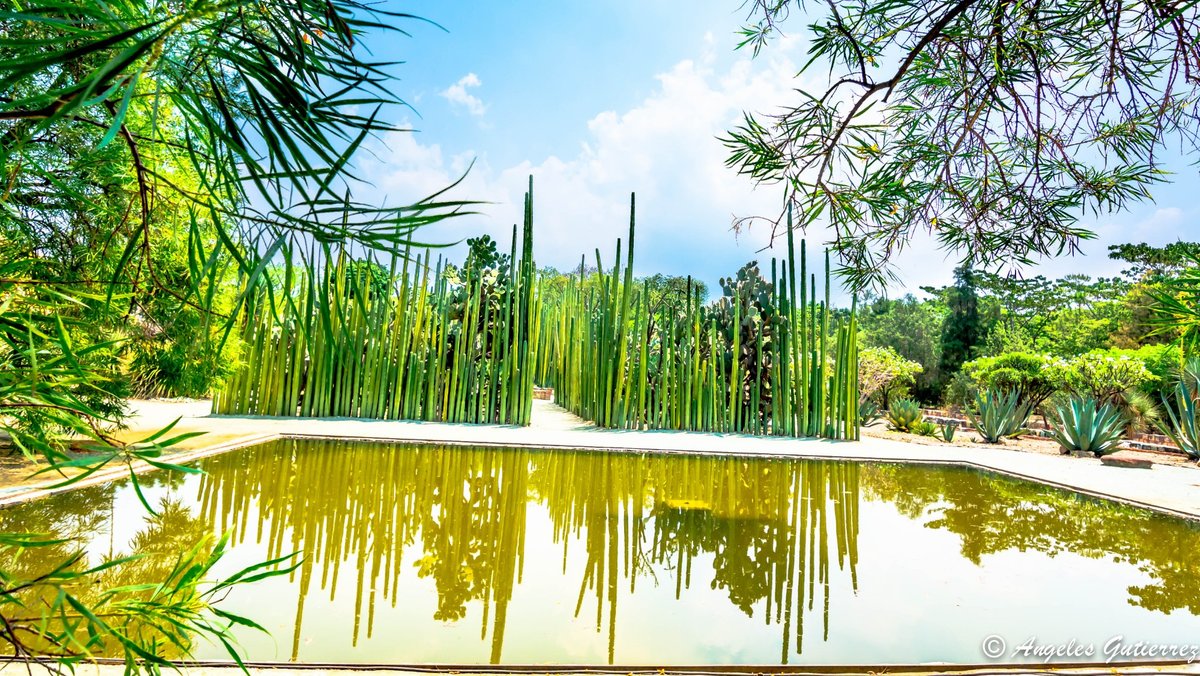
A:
x: 666, y: 149
x: 458, y: 95
x: 1163, y: 220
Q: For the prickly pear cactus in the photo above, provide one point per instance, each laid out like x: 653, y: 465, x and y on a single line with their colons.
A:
x: 749, y: 300
x: 483, y: 274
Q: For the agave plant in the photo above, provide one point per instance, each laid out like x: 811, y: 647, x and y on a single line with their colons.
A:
x: 904, y: 414
x: 1184, y: 420
x: 998, y: 415
x: 925, y: 428
x: 868, y: 412
x: 948, y: 430
x: 1086, y: 425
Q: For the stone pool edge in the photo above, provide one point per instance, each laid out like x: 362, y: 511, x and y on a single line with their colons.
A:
x: 118, y: 471
x: 1163, y: 489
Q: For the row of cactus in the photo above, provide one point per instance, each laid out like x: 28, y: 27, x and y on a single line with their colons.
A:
x: 355, y: 339
x: 768, y: 357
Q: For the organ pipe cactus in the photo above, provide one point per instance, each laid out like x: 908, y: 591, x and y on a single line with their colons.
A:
x: 419, y: 341
x: 430, y: 341
x: 767, y: 358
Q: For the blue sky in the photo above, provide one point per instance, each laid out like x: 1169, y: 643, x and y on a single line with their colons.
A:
x: 600, y: 99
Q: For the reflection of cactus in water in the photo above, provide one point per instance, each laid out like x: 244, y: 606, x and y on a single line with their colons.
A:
x: 769, y: 525
x: 379, y: 524
x: 639, y: 519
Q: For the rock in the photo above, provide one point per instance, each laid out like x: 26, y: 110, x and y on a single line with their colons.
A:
x: 1124, y: 459
x: 1082, y: 454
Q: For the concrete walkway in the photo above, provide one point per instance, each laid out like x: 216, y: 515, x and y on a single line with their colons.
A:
x: 1168, y: 489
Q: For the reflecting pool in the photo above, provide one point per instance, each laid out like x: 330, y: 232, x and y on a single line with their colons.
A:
x: 477, y: 555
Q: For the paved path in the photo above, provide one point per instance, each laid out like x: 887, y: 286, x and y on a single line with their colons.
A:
x: 1174, y: 490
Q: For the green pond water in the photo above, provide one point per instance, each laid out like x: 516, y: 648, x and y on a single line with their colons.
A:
x: 458, y: 555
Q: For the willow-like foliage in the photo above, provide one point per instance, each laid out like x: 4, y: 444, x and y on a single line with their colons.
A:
x: 341, y: 342
x: 773, y: 361
x: 998, y: 128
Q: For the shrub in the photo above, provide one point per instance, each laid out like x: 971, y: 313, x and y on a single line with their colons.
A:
x: 998, y: 415
x: 882, y: 371
x: 960, y: 391
x: 1086, y: 425
x: 184, y: 364
x: 1162, y: 361
x: 1033, y: 377
x: 1139, y: 410
x: 904, y: 414
x: 1103, y: 377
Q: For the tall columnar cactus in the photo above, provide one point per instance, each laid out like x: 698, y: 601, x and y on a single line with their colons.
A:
x: 766, y: 358
x: 411, y: 340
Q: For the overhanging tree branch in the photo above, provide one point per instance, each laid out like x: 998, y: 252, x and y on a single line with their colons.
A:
x: 999, y: 126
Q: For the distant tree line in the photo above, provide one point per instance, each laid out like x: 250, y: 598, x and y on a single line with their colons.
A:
x: 983, y: 314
